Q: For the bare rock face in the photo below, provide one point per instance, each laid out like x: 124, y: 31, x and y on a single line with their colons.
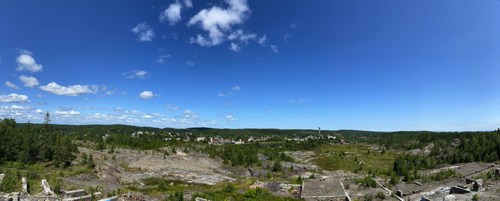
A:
x: 450, y: 198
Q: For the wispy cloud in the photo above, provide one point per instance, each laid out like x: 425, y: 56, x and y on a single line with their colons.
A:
x: 236, y: 88
x: 224, y: 95
x: 274, y: 48
x: 161, y: 58
x: 137, y: 74
x: 190, y: 63
x: 92, y: 108
x: 229, y: 104
x: 262, y: 40
x: 11, y: 85
x: 144, y: 31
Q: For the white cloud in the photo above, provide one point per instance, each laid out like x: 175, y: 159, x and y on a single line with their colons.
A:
x: 224, y: 95
x: 67, y: 113
x: 157, y: 115
x: 217, y: 21
x: 110, y: 92
x: 236, y: 88
x: 229, y: 104
x: 305, y: 115
x: 15, y: 107
x: 161, y: 58
x: 188, y: 3
x: 286, y: 37
x: 235, y: 47
x: 74, y: 90
x: 172, y: 14
x: 190, y: 63
x: 39, y: 111
x: 147, y: 94
x: 230, y: 118
x: 300, y: 100
x: 241, y: 36
x: 144, y: 31
x: 40, y: 96
x: 11, y: 85
x: 13, y: 98
x: 29, y: 81
x: 262, y: 41
x: 124, y: 93
x: 147, y: 117
x: 172, y: 108
x: 108, y: 108
x: 92, y: 108
x: 294, y: 26
x: 25, y: 61
x: 274, y: 48
x: 188, y: 112
x: 137, y: 73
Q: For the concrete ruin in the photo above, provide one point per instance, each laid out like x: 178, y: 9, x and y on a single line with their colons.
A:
x: 458, y: 190
x: 324, y: 189
x: 25, y: 185
x: 46, y: 188
x: 73, y: 193
x: 1, y: 179
x: 478, y: 185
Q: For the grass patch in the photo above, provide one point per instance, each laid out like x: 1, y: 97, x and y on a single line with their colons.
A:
x: 353, y: 157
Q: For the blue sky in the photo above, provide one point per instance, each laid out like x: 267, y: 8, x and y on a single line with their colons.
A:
x: 371, y: 65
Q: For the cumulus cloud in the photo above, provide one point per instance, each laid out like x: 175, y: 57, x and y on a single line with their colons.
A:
x: 218, y: 21
x: 25, y: 61
x: 172, y: 108
x: 39, y: 111
x: 147, y: 117
x: 262, y: 40
x: 92, y: 108
x: 40, y: 96
x: 161, y: 58
x: 172, y: 14
x: 190, y: 63
x: 235, y: 47
x: 148, y: 94
x: 11, y: 85
x: 274, y: 48
x: 144, y: 31
x: 29, y: 81
x: 236, y: 88
x: 74, y: 90
x: 188, y: 112
x: 137, y: 73
x: 13, y: 98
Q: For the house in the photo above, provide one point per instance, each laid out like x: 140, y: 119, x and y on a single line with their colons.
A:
x: 239, y: 142
x: 199, y: 139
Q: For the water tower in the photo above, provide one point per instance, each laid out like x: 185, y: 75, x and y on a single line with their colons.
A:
x: 319, y: 130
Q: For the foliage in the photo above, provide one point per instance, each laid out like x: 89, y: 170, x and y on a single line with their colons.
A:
x: 368, y: 181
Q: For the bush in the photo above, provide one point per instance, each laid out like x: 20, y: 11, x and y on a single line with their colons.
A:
x: 475, y: 197
x: 380, y: 195
x: 229, y: 188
